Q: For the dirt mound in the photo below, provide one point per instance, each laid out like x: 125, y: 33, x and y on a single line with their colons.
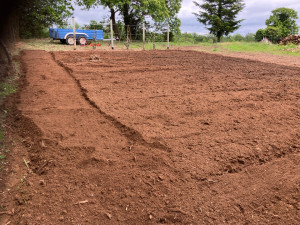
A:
x: 158, y: 137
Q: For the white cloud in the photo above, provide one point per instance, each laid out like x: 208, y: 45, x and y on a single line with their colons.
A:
x: 83, y: 17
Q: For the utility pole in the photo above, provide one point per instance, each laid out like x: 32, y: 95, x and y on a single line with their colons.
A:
x: 74, y: 32
x: 168, y: 37
x: 144, y: 36
x: 111, y: 34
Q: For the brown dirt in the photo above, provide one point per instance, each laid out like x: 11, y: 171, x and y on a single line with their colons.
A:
x: 174, y: 137
x: 285, y: 60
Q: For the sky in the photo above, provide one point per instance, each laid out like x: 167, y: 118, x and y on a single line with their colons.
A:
x: 255, y: 14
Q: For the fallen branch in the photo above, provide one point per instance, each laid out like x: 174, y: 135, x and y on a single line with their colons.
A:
x: 26, y: 163
x: 6, y: 212
x: 81, y: 202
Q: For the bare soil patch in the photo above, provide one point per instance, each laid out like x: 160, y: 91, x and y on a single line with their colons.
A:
x: 285, y: 60
x: 173, y: 137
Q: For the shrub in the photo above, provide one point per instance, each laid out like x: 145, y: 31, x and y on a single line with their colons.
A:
x: 249, y: 37
x: 273, y: 34
x: 260, y: 34
x: 237, y: 37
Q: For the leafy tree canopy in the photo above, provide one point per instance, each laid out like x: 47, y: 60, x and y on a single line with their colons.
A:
x: 280, y: 24
x: 133, y: 12
x: 36, y: 15
x: 158, y: 10
x: 220, y: 16
x: 285, y: 20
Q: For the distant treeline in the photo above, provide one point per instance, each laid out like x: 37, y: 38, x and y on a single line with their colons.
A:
x: 159, y: 34
x: 194, y: 38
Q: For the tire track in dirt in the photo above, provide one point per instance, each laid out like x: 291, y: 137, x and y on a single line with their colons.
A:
x: 244, y: 81
x: 81, y: 179
x: 112, y: 180
x: 257, y: 84
x: 133, y: 135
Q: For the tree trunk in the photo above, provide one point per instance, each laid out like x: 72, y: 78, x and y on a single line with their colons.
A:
x: 9, y: 59
x: 113, y: 18
x: 126, y: 17
x: 130, y: 21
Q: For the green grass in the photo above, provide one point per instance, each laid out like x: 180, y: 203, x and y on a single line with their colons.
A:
x: 258, y: 47
x: 274, y: 49
x: 44, y: 44
x: 7, y: 87
x: 3, y: 147
x: 3, y: 150
x: 49, y: 45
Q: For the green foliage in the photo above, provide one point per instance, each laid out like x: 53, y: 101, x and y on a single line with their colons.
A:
x: 273, y: 33
x: 197, y: 38
x: 280, y: 24
x: 36, y: 15
x: 133, y: 13
x: 237, y: 37
x: 285, y: 20
x: 8, y: 86
x: 172, y: 7
x: 220, y: 16
x: 94, y: 25
x: 7, y: 89
x: 260, y: 34
x: 101, y: 25
x: 249, y: 37
x: 77, y: 26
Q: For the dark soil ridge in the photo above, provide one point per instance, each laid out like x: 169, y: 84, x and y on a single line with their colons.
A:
x: 41, y: 165
x: 240, y: 163
x: 33, y: 141
x: 24, y: 127
x: 131, y: 134
x: 231, y: 165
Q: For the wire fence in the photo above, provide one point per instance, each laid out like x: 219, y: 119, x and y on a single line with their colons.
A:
x: 156, y: 36
x: 138, y: 36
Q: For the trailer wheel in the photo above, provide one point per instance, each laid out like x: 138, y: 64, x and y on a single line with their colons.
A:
x: 82, y: 40
x: 70, y: 40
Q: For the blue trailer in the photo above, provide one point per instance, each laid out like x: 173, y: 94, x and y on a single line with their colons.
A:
x: 82, y: 36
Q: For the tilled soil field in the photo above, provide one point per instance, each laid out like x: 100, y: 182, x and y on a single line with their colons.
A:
x: 155, y: 137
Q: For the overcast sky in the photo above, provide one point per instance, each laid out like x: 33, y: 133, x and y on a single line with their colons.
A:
x: 255, y: 14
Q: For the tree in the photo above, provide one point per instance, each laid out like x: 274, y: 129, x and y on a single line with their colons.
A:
x: 237, y: 37
x: 95, y: 26
x: 249, y: 37
x: 101, y: 25
x: 36, y: 15
x: 280, y: 24
x: 112, y: 5
x: 220, y: 16
x: 273, y: 33
x: 285, y: 20
x: 134, y: 12
x: 173, y: 7
x: 260, y: 34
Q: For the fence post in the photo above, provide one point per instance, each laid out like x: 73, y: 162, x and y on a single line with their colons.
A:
x: 111, y: 35
x: 128, y: 30
x: 168, y: 37
x: 74, y: 33
x: 144, y: 36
